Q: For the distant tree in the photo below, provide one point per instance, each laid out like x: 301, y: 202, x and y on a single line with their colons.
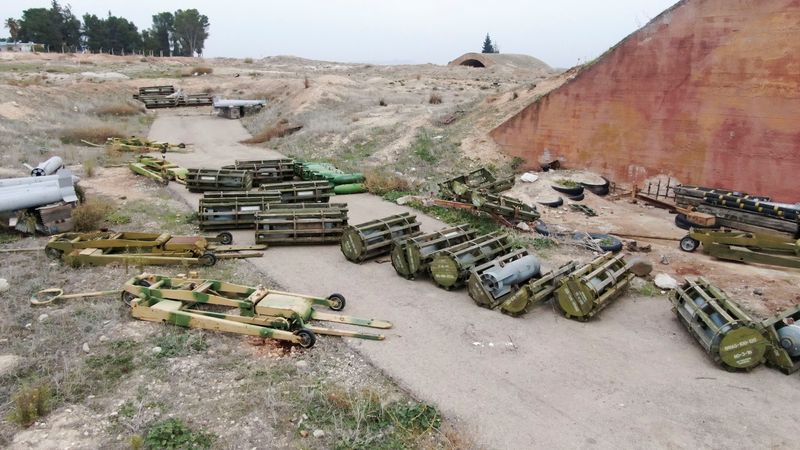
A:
x: 191, y: 29
x: 163, y: 32
x: 56, y: 27
x: 110, y: 34
x: 487, y: 45
x: 13, y: 28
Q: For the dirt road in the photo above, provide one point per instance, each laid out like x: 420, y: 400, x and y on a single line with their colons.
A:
x: 631, y: 378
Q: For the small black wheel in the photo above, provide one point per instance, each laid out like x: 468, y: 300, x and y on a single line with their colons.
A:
x: 689, y: 244
x: 181, y: 145
x: 53, y: 253
x: 307, y: 337
x: 225, y: 238
x: 207, y: 259
x: 338, y: 302
x: 127, y: 297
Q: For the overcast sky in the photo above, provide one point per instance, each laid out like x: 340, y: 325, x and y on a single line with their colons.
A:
x: 560, y: 32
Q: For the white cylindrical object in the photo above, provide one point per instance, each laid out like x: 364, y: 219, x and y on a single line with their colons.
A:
x: 48, y: 167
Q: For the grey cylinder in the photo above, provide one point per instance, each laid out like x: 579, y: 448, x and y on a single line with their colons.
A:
x: 48, y: 167
x: 790, y: 339
x: 21, y: 193
x: 500, y: 280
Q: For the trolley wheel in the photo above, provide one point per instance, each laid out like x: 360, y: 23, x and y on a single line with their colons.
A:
x: 207, y: 259
x: 181, y: 145
x: 225, y: 238
x: 127, y: 297
x: 307, y: 337
x: 338, y: 302
x: 53, y: 253
x: 689, y: 244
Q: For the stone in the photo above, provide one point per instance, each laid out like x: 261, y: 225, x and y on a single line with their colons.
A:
x: 86, y: 347
x: 301, y: 364
x: 758, y: 291
x: 43, y: 318
x: 4, y: 285
x: 318, y: 433
x: 665, y: 281
x: 523, y: 226
x: 156, y: 350
x: 528, y: 177
x: 304, y: 433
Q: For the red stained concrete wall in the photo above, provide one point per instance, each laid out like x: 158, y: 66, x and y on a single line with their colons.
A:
x: 708, y: 92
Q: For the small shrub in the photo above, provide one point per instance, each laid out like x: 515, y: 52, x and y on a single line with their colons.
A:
x: 248, y: 60
x: 136, y: 442
x: 306, y: 83
x: 182, y: 343
x: 382, y: 102
x: 31, y: 403
x: 97, y: 135
x: 118, y: 218
x: 423, y: 147
x: 517, y: 162
x: 174, y: 434
x: 88, y: 215
x: 435, y: 99
x: 89, y: 166
x: 279, y: 129
x: 380, y: 182
x: 121, y: 109
x: 567, y: 182
x: 514, y: 96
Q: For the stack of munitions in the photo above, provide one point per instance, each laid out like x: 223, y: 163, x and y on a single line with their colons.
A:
x: 301, y: 223
x: 504, y: 206
x: 492, y: 282
x: 450, y: 267
x: 301, y: 191
x: 412, y: 257
x: 739, y: 210
x: 479, y: 180
x: 230, y: 210
x: 376, y: 237
x: 719, y: 325
x: 588, y: 290
x: 344, y: 183
x: 168, y: 97
x: 158, y: 169
x: 201, y: 180
x: 535, y: 291
x: 266, y: 170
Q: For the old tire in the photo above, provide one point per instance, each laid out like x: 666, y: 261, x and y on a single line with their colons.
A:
x: 569, y: 191
x: 553, y: 204
x: 689, y: 244
x: 597, y: 189
x: 577, y: 198
x: 612, y: 245
x: 225, y: 238
x: 127, y: 297
x: 53, y: 253
x: 541, y: 228
x: 307, y: 337
x: 338, y: 302
x: 207, y: 259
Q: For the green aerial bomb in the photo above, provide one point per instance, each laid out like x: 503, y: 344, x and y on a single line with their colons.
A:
x: 301, y: 223
x: 376, y: 237
x: 588, y: 290
x: 233, y: 210
x: 720, y: 326
x: 450, y: 267
x: 266, y: 170
x: 412, y: 257
x: 537, y: 290
x: 201, y: 180
x: 344, y: 189
x: 301, y: 191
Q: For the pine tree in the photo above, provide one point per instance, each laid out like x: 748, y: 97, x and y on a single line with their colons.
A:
x: 487, y: 45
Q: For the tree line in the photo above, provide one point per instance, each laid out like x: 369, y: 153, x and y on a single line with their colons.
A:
x: 182, y: 33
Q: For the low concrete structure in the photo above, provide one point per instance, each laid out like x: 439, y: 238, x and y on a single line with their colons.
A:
x: 513, y: 61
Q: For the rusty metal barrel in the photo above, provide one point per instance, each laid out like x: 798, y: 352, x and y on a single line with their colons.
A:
x: 232, y: 210
x: 301, y: 223
x: 301, y: 191
x: 450, y: 267
x: 727, y: 333
x: 412, y: 256
x: 376, y: 237
x: 266, y: 170
x: 492, y: 282
x: 588, y: 290
x: 201, y: 180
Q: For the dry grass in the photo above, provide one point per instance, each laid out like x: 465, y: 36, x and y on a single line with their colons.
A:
x: 380, y: 182
x: 90, y: 214
x: 381, y: 102
x: 119, y: 109
x: 306, y: 83
x: 280, y: 129
x: 435, y: 99
x: 89, y: 167
x: 95, y: 134
x: 31, y: 403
